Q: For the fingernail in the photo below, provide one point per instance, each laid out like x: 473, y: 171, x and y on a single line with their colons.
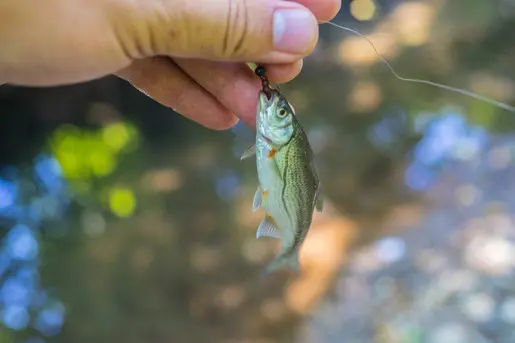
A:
x: 295, y: 30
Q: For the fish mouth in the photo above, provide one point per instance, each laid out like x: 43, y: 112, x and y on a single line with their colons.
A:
x: 265, y: 102
x: 264, y: 98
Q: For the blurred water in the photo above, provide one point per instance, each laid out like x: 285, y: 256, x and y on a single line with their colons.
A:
x: 26, y: 202
x: 457, y: 289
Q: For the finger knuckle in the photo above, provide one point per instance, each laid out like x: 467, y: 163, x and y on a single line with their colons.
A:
x: 236, y: 29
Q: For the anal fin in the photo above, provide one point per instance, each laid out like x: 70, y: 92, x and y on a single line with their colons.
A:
x: 268, y: 228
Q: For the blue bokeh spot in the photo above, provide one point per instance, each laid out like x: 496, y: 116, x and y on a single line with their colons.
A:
x: 21, y: 243
x: 16, y: 317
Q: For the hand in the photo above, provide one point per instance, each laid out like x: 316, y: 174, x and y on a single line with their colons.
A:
x: 186, y: 54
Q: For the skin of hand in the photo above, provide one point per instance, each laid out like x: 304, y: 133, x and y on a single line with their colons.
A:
x: 187, y: 55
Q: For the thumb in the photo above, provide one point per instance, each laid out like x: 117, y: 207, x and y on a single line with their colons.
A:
x: 267, y: 31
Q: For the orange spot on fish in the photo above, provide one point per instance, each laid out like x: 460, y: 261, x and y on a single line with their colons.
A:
x: 271, y: 153
x: 265, y: 194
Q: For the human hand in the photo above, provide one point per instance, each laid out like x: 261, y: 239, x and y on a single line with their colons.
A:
x: 187, y: 55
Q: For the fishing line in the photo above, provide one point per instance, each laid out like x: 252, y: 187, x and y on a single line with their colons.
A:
x: 427, y: 82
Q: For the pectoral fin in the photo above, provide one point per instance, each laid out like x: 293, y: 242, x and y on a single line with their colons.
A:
x: 268, y: 228
x: 251, y: 151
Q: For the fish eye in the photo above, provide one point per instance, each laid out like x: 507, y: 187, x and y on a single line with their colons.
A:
x: 282, y: 113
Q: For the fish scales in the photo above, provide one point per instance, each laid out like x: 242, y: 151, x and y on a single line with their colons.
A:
x: 299, y: 184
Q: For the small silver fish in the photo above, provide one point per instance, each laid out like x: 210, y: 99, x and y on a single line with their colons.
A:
x: 289, y: 188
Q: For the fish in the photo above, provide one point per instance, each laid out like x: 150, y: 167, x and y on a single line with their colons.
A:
x: 289, y: 189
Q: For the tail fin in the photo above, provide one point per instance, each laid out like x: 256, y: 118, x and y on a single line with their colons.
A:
x: 288, y: 260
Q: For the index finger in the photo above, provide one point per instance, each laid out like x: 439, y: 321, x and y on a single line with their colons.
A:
x: 324, y: 10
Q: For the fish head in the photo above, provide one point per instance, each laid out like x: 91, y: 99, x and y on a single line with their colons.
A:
x: 275, y: 118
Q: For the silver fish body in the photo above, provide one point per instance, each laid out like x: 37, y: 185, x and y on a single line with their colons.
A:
x: 289, y: 188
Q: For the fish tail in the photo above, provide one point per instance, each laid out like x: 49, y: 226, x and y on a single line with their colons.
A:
x: 288, y: 260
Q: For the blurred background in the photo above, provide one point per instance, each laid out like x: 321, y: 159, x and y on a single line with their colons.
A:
x: 121, y: 221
